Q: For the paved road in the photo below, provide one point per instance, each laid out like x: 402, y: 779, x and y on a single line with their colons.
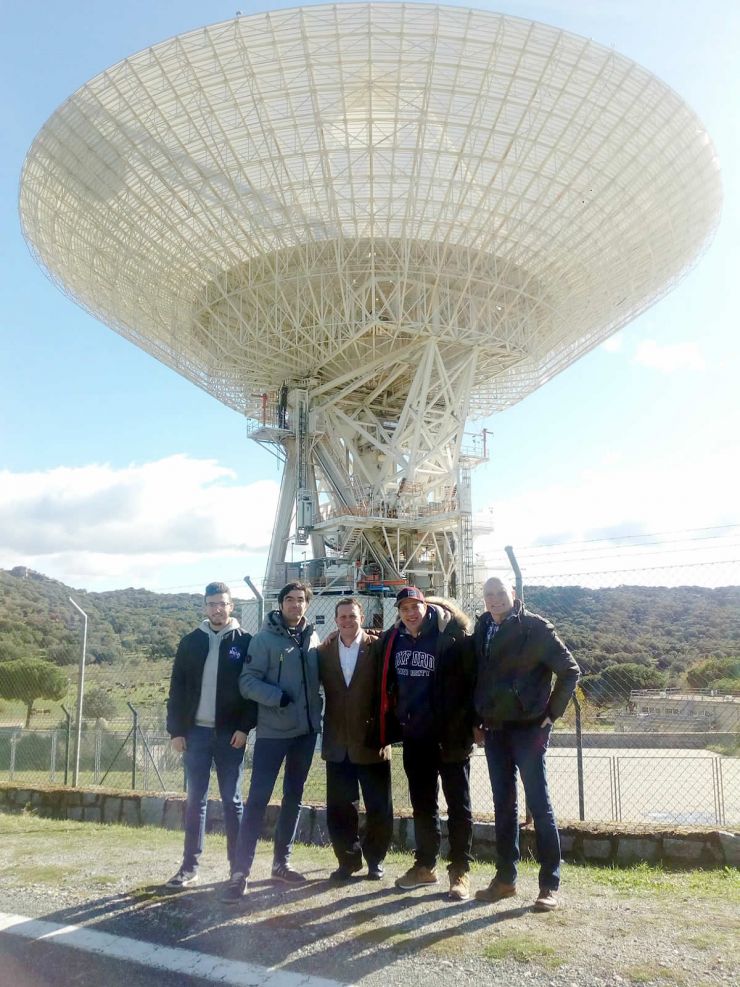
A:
x: 37, y: 952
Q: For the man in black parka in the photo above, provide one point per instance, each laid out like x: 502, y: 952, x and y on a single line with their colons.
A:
x: 208, y: 721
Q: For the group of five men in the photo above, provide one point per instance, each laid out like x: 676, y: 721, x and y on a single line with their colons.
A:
x: 431, y: 682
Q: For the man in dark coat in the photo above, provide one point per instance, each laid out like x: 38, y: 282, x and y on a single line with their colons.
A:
x: 426, y: 674
x: 208, y: 722
x: 517, y: 654
x: 347, y: 670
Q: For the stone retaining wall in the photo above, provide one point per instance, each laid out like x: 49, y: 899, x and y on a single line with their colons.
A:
x: 681, y: 846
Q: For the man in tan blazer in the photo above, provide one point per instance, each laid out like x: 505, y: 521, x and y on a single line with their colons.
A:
x: 347, y: 672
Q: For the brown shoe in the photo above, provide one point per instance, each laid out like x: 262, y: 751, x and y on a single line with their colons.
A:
x: 496, y: 891
x: 459, y: 885
x: 546, y: 901
x: 417, y: 876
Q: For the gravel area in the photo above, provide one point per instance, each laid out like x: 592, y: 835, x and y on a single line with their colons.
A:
x: 640, y: 926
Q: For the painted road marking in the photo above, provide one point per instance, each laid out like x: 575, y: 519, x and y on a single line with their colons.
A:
x: 172, y: 959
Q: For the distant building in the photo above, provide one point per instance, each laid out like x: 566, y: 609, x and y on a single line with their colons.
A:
x: 680, y: 710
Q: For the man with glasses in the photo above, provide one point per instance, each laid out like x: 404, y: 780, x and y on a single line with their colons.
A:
x: 208, y: 721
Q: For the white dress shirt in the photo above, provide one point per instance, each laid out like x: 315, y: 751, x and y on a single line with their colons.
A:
x: 348, y: 656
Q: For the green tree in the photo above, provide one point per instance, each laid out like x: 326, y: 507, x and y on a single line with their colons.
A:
x: 98, y: 704
x: 29, y: 679
x: 705, y: 674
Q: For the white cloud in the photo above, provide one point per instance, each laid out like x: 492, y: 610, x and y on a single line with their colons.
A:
x: 93, y: 523
x: 614, y: 344
x: 578, y: 527
x: 669, y: 358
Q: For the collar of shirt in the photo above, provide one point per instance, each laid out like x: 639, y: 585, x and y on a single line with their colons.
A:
x: 493, y: 628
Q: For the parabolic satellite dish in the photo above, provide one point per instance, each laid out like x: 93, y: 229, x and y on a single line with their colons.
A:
x: 360, y: 225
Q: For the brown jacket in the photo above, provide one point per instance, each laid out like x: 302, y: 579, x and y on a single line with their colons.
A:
x: 348, y: 708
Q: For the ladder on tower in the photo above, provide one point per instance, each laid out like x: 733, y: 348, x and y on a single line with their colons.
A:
x: 467, y: 595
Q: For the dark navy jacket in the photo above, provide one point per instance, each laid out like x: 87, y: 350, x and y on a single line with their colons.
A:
x: 232, y: 711
x: 451, y: 692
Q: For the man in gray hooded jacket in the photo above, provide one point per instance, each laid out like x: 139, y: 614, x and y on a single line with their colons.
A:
x: 281, y: 674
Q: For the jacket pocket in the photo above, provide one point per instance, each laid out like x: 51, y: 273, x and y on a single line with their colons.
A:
x: 280, y: 719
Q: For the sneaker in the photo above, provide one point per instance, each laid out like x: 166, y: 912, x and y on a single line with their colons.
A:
x: 417, y: 876
x: 375, y: 872
x: 345, y: 872
x: 496, y: 891
x: 459, y: 885
x: 546, y: 901
x: 235, y: 889
x: 182, y: 879
x: 284, y: 872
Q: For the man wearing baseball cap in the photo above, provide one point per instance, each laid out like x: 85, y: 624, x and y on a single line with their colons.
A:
x: 426, y: 700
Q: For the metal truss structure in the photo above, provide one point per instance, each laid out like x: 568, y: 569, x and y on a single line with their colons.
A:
x: 360, y: 225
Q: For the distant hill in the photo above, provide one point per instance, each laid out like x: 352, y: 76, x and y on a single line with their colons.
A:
x: 37, y: 619
x: 670, y: 629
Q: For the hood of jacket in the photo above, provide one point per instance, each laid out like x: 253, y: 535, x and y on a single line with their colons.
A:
x: 275, y: 624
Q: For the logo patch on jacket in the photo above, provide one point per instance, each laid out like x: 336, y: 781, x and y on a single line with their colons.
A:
x: 234, y: 654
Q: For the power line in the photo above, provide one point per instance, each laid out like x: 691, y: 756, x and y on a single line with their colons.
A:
x: 644, y: 534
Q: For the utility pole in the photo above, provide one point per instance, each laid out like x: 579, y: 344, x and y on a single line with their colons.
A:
x: 80, y: 694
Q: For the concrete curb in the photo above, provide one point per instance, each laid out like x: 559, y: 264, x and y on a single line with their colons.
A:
x: 678, y: 846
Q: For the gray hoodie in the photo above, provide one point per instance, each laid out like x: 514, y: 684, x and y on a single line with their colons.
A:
x: 277, y: 665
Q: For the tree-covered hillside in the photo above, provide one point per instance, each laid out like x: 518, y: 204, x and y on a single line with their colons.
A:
x: 668, y: 629
x: 37, y: 620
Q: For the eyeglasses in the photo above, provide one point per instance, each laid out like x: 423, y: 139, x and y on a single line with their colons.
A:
x: 219, y: 606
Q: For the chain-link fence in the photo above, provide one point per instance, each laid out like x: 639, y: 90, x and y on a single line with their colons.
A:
x: 652, y: 736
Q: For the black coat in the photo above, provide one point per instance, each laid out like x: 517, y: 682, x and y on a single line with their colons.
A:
x: 232, y: 711
x: 515, y: 672
x: 452, y: 691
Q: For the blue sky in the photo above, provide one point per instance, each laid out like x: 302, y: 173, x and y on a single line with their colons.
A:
x: 116, y: 472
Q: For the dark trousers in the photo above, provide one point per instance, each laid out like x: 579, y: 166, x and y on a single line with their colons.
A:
x: 424, y: 767
x: 344, y: 780
x: 269, y: 754
x: 523, y: 748
x: 205, y: 747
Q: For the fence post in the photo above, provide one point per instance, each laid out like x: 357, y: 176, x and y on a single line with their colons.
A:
x: 13, y: 743
x: 98, y: 752
x: 579, y: 761
x: 135, y: 731
x: 53, y: 755
x: 68, y: 732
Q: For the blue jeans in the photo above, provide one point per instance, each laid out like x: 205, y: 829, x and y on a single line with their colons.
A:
x: 523, y: 748
x: 269, y: 754
x: 206, y: 746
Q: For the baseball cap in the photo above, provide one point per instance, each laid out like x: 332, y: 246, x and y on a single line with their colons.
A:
x: 410, y: 593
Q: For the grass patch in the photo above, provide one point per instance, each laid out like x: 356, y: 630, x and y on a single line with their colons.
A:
x: 523, y: 949
x: 656, y: 881
x: 646, y: 973
x: 43, y: 874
